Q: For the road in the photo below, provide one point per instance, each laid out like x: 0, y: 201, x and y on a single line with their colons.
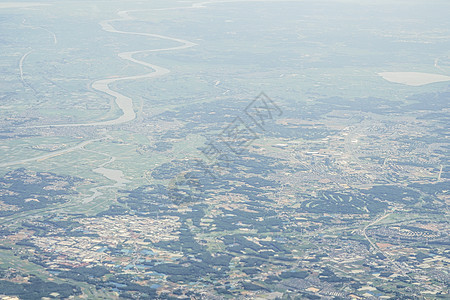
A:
x: 373, y: 223
x: 393, y: 263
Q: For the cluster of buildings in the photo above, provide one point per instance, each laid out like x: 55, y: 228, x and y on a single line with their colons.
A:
x: 113, y: 240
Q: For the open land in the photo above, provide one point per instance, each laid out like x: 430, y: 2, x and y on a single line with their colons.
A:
x: 140, y: 160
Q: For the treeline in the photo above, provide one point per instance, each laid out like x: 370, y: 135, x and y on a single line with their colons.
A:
x: 37, y: 289
x: 90, y: 275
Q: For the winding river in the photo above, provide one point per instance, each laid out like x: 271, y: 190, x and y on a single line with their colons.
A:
x: 125, y: 103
